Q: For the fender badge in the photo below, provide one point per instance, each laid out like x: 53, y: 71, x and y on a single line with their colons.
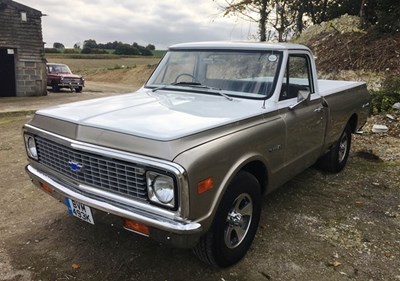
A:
x: 75, y: 166
x: 275, y: 148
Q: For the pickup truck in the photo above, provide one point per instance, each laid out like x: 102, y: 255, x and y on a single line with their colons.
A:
x: 186, y: 159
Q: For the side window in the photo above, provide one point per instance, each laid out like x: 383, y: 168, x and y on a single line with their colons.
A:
x: 297, y: 77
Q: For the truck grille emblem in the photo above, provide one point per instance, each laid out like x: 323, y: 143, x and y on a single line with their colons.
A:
x: 75, y: 166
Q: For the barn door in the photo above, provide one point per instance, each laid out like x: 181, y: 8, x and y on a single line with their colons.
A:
x: 7, y: 73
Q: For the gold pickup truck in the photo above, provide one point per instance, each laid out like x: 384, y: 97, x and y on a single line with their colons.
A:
x: 186, y: 159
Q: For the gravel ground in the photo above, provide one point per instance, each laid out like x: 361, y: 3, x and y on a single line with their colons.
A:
x: 316, y: 227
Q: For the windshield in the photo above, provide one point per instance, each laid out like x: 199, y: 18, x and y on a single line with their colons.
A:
x: 59, y: 68
x: 250, y: 74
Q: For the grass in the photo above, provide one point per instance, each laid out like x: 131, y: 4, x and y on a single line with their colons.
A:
x: 87, y: 66
x: 159, y: 53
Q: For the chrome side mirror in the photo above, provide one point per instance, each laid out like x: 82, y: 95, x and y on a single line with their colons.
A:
x: 302, y: 96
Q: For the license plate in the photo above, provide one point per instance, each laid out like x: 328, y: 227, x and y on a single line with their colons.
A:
x: 79, y: 210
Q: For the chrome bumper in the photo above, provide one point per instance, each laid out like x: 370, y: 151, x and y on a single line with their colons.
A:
x: 70, y: 84
x: 172, y: 229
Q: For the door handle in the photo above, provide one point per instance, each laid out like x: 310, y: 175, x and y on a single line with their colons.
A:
x: 319, y: 109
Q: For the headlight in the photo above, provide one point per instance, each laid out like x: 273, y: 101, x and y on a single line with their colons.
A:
x: 161, y: 189
x: 30, y: 145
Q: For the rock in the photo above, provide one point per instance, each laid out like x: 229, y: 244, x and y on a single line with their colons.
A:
x: 396, y: 105
x: 379, y: 129
x: 390, y: 214
x: 391, y: 117
x: 76, y: 266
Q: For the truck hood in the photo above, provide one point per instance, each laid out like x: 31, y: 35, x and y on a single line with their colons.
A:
x: 161, y: 115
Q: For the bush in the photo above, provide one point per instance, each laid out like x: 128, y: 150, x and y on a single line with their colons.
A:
x: 51, y: 51
x: 389, y: 94
x: 70, y: 51
x: 93, y: 51
x: 126, y: 49
x: 145, y: 52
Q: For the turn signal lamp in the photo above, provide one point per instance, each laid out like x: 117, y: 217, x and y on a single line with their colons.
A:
x: 205, y: 185
x: 136, y: 227
x: 45, y: 187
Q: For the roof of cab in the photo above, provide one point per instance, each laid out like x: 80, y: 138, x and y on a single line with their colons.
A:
x: 239, y: 46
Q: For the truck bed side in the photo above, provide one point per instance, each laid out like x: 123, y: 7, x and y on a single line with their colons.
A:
x: 347, y: 101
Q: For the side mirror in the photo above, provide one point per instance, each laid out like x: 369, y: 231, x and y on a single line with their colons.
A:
x: 302, y: 96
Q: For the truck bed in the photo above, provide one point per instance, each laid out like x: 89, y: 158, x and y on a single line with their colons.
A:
x: 328, y: 87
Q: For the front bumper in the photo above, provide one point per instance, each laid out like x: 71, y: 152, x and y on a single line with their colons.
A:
x: 71, y: 84
x: 179, y: 233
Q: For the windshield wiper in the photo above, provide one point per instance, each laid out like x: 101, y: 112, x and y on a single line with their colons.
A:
x: 177, y: 84
x: 194, y: 85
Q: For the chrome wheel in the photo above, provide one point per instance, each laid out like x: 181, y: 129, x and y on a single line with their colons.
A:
x: 343, y: 146
x: 238, y: 221
x: 235, y: 223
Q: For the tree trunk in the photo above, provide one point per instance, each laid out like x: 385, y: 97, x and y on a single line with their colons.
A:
x: 366, y: 12
x: 299, y: 19
x: 263, y: 20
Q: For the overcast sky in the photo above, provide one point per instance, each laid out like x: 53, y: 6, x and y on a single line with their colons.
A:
x: 161, y: 23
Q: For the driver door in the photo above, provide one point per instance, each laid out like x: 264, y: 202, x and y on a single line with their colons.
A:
x: 305, y: 123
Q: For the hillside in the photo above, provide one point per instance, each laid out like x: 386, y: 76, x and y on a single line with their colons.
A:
x: 343, y: 50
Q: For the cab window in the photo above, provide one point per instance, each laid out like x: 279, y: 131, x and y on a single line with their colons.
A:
x: 297, y: 77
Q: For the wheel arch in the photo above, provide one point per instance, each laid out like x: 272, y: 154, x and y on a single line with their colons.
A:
x: 353, y: 122
x: 259, y: 170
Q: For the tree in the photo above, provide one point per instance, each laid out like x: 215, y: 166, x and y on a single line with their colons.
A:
x: 126, y: 49
x: 290, y: 17
x: 58, y: 45
x: 144, y: 51
x: 387, y: 15
x: 77, y: 45
x: 90, y: 44
x: 151, y: 47
x: 283, y: 18
x: 251, y: 10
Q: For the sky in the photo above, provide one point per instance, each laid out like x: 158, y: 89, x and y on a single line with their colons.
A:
x: 161, y: 23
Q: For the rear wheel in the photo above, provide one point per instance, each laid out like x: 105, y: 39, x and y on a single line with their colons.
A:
x: 235, y: 223
x: 335, y: 160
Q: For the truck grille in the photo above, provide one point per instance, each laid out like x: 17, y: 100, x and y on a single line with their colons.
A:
x: 113, y: 175
x: 71, y: 81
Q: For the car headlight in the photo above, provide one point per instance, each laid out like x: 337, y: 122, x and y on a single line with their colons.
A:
x: 30, y: 145
x: 161, y: 189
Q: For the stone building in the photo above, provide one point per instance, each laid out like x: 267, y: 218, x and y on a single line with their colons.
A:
x: 22, y: 58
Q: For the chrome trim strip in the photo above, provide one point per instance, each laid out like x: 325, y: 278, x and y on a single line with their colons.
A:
x: 365, y: 105
x: 177, y: 225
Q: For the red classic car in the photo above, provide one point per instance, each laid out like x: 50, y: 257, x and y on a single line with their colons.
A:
x: 60, y: 76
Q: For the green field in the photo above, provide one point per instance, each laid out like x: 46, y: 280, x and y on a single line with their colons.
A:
x: 94, y: 65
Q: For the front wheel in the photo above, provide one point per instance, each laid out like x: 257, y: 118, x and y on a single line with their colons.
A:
x: 235, y: 223
x: 54, y: 86
x: 335, y: 160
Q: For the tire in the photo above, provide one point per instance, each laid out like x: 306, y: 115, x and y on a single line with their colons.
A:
x: 55, y: 87
x: 235, y: 223
x: 335, y: 160
x: 78, y: 89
